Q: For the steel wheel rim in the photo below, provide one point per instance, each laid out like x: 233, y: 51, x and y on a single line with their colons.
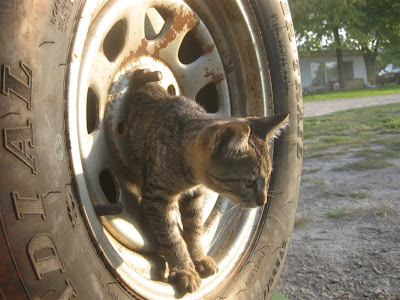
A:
x: 131, y: 266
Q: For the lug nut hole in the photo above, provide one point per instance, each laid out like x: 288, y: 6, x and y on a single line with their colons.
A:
x: 171, y: 90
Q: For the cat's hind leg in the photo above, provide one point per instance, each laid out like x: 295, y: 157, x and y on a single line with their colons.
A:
x: 191, y: 208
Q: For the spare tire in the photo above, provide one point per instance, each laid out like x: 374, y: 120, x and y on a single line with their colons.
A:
x: 69, y: 226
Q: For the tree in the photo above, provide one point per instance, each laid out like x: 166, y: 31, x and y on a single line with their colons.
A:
x: 375, y: 28
x: 319, y: 26
x: 369, y: 26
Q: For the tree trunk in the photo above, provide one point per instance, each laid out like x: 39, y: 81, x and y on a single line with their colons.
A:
x: 339, y: 57
x: 369, y: 61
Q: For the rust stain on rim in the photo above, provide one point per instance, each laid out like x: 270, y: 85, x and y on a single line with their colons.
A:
x: 215, y: 77
x: 181, y: 17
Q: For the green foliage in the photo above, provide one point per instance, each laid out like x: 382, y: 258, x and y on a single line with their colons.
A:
x: 372, y: 27
x: 316, y: 20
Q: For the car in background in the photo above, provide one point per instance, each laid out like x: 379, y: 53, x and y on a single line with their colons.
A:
x: 390, y: 74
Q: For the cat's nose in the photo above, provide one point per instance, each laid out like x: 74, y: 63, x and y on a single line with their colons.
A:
x: 261, y: 192
x: 261, y: 201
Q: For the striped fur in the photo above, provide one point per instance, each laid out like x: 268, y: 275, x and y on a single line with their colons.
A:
x: 176, y: 150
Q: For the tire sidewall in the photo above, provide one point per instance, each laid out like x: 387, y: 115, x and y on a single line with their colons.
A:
x: 260, y: 272
x: 45, y: 249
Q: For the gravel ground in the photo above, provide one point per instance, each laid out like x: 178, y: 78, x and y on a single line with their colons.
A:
x: 346, y: 241
x: 344, y: 247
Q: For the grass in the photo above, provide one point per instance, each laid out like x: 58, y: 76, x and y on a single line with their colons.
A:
x: 278, y: 296
x: 364, y: 165
x: 384, y: 208
x: 359, y: 195
x: 364, y: 128
x: 339, y: 213
x: 329, y: 95
x: 392, y: 145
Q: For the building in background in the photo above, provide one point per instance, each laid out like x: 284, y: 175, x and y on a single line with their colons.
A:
x: 319, y: 71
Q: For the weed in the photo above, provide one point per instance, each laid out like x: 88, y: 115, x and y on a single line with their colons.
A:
x: 384, y: 208
x: 392, y: 123
x: 335, y: 213
x: 364, y: 165
x: 359, y: 195
x: 338, y: 213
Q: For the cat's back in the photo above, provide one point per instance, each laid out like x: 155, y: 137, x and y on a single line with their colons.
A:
x: 152, y: 100
x: 158, y: 126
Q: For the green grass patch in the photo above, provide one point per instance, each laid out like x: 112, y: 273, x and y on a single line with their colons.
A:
x: 359, y: 195
x: 364, y: 165
x: 339, y: 213
x: 354, y: 128
x: 330, y: 95
x: 391, y: 143
x: 278, y: 296
x: 376, y: 120
x: 378, y: 153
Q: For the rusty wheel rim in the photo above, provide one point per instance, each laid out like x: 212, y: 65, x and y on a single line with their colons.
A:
x: 110, y: 44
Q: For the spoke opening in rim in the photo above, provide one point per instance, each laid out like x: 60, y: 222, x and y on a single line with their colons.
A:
x: 109, y: 186
x: 208, y: 98
x: 114, y: 40
x: 154, y: 23
x: 92, y: 111
x: 190, y: 49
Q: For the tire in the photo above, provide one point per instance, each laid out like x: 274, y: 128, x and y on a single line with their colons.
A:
x: 59, y: 238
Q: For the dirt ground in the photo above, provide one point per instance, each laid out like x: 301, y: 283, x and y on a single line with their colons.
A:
x: 346, y: 241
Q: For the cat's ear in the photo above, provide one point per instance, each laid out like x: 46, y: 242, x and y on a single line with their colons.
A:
x: 269, y: 127
x: 231, y: 137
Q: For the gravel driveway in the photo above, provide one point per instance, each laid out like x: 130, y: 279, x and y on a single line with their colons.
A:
x: 319, y: 108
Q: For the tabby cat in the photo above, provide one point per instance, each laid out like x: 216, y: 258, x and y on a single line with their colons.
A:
x: 176, y: 150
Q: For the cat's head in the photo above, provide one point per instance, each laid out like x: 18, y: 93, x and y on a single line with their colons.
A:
x: 237, y: 162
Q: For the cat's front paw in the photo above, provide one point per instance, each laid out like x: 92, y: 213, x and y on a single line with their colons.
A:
x: 186, y: 281
x: 206, y: 266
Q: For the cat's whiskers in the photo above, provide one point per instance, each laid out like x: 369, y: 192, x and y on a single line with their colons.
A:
x: 273, y: 193
x: 235, y: 206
